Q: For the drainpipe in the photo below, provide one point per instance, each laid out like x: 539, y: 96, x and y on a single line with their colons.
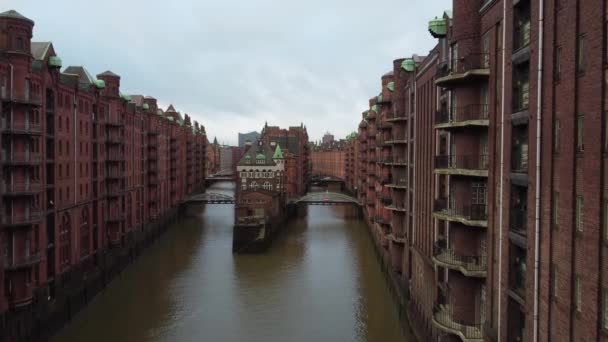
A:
x: 408, y: 152
x: 502, y: 167
x: 541, y: 18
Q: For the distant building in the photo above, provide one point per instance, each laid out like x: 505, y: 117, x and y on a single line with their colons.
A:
x: 251, y: 137
x: 225, y: 159
x: 328, y: 139
x: 294, y: 142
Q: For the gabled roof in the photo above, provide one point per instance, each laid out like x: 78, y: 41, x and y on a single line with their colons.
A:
x: 258, y: 155
x: 278, y: 154
x: 84, y: 77
x: 171, y: 109
x: 40, y: 49
x: 15, y: 15
x: 138, y: 100
x: 108, y: 73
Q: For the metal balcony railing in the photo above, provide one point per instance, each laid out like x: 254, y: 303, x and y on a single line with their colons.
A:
x: 475, y: 212
x: 18, y: 188
x: 22, y: 219
x: 21, y: 127
x: 470, y: 263
x: 27, y: 98
x: 462, y: 114
x: 23, y: 261
x: 466, y: 162
x: 443, y: 317
x: 473, y: 61
x: 21, y: 157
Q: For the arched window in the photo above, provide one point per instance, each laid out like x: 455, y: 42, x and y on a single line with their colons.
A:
x: 84, y: 232
x: 267, y: 186
x: 65, y: 240
x: 254, y: 185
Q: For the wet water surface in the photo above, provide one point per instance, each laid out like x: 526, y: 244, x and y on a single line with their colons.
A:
x: 320, y: 281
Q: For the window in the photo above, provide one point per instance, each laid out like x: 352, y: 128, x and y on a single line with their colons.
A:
x: 581, y: 54
x: 19, y: 44
x: 579, y: 213
x: 578, y: 293
x: 554, y: 280
x: 556, y: 133
x: 580, y: 131
x: 558, y: 63
x: 556, y: 209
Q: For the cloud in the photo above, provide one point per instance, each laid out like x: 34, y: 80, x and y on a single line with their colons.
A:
x: 234, y: 64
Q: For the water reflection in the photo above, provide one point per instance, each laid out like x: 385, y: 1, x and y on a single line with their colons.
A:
x: 320, y: 281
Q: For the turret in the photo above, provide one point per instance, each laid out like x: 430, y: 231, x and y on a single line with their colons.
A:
x: 112, y: 83
x: 15, y: 32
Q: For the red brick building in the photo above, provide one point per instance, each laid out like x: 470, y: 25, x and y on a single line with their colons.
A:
x: 498, y: 194
x: 85, y: 172
x: 296, y: 150
x: 328, y: 162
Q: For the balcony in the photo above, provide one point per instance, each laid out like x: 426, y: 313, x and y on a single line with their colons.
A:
x: 114, y: 140
x: 115, y: 157
x: 25, y: 99
x: 396, y: 207
x: 115, y: 217
x: 21, y: 128
x: 115, y: 122
x: 115, y: 174
x: 473, y: 67
x: 23, y: 262
x: 22, y: 219
x: 21, y: 158
x: 397, y: 139
x: 396, y: 161
x: 400, y: 183
x: 397, y: 117
x: 474, y: 115
x: 443, y: 319
x: 463, y: 165
x: 21, y: 189
x: 474, y: 215
x: 382, y: 221
x: 468, y: 265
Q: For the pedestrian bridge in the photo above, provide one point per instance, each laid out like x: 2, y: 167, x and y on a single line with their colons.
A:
x: 210, y: 198
x: 326, y: 198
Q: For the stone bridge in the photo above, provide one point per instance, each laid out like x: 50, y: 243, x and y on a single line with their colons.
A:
x: 210, y: 198
x: 321, y: 198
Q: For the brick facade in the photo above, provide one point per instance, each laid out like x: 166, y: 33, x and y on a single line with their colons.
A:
x: 84, y: 168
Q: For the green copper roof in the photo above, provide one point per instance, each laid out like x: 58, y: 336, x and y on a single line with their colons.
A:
x: 247, y: 157
x: 146, y: 106
x: 125, y: 97
x: 408, y: 64
x: 100, y: 84
x: 278, y: 154
x: 438, y: 27
x: 391, y: 86
x: 260, y: 156
x: 54, y: 62
x: 379, y: 99
x: 170, y: 118
x: 375, y: 108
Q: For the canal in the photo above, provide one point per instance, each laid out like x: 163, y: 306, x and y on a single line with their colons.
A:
x: 320, y: 281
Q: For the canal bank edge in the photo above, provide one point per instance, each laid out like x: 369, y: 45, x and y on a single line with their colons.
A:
x: 75, y: 289
x: 397, y: 288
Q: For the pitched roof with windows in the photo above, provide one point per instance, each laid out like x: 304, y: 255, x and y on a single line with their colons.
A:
x: 258, y: 155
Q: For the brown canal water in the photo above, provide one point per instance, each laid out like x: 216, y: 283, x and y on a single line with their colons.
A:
x: 320, y: 281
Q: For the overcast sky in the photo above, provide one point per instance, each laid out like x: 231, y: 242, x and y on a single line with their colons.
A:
x: 234, y: 64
